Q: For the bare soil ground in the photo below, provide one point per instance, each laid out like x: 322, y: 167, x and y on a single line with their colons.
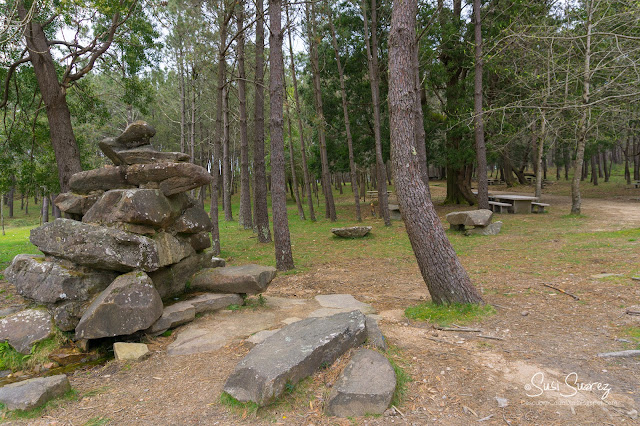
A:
x: 547, y: 349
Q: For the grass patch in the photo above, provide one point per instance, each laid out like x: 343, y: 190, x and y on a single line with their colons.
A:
x: 245, y: 408
x: 403, y: 378
x: 10, y: 359
x: 6, y: 416
x: 634, y: 334
x: 444, y: 315
x: 97, y: 421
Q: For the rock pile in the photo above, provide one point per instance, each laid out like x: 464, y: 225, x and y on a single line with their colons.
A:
x: 132, y: 238
x: 480, y: 220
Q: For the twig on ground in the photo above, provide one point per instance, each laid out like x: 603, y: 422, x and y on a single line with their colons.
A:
x: 486, y: 418
x: 465, y: 329
x: 399, y: 412
x: 561, y: 291
x: 489, y: 337
x: 630, y: 312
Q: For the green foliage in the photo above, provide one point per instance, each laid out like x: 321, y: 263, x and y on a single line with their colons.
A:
x: 394, y: 355
x: 10, y: 359
x: 230, y: 402
x: 97, y: 421
x: 634, y: 334
x: 446, y: 314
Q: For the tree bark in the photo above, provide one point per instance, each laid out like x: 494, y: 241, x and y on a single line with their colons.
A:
x: 372, y: 61
x: 294, y: 180
x: 245, y: 218
x: 481, y: 149
x: 261, y: 213
x: 539, y: 153
x: 345, y: 111
x: 53, y: 95
x: 303, y: 150
x: 439, y: 265
x: 282, y: 239
x: 576, y: 199
x: 330, y: 208
x: 226, y: 158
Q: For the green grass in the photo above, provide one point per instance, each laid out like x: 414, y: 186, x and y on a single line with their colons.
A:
x: 246, y: 408
x: 444, y: 315
x: 10, y: 359
x: 634, y: 334
x: 14, y: 242
x: 394, y: 355
x: 97, y: 421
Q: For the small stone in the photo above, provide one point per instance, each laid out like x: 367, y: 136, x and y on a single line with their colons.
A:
x: 524, y: 313
x: 136, y: 134
x: 32, y: 393
x: 502, y: 402
x: 129, y: 351
x: 352, y: 231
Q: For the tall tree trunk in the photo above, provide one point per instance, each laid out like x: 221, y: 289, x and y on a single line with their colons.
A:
x: 192, y: 137
x: 292, y: 164
x: 183, y: 109
x: 539, y: 154
x: 576, y: 199
x: 282, y: 239
x: 594, y: 170
x: 345, y: 111
x: 481, y: 150
x: 226, y: 159
x: 439, y: 265
x: 372, y: 61
x: 330, y: 208
x: 53, y: 96
x: 261, y: 212
x: 245, y: 218
x: 303, y: 150
x: 421, y: 145
x: 45, y: 209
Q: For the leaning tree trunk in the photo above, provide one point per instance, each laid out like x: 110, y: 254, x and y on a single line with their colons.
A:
x: 282, y: 239
x: 261, y: 213
x: 303, y: 150
x: 343, y: 92
x: 245, y: 192
x: 53, y: 95
x: 439, y: 265
x: 481, y: 149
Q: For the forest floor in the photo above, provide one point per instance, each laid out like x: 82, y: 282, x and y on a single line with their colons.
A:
x: 545, y: 364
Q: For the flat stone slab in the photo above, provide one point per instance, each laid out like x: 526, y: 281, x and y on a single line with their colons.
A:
x: 148, y: 156
x: 26, y: 328
x: 365, y: 386
x: 247, y: 279
x: 261, y: 336
x: 481, y: 217
x: 491, y: 229
x: 130, y: 303
x: 352, y: 231
x: 33, y: 393
x: 344, y: 302
x: 129, y: 351
x: 108, y: 248
x: 292, y: 354
x: 220, y: 330
x: 173, y: 316
x: 69, y: 202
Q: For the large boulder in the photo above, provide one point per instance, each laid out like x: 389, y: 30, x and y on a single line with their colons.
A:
x: 193, y: 221
x: 351, y: 231
x: 172, y: 280
x: 481, y: 217
x: 248, y: 279
x: 172, y: 178
x: 365, y: 386
x: 292, y: 354
x: 102, y: 179
x: 51, y: 281
x: 129, y: 304
x: 69, y: 202
x: 32, y: 393
x: 107, y: 248
x: 24, y: 329
x: 139, y: 206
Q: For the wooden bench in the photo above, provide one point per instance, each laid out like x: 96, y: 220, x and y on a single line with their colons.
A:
x: 374, y: 194
x: 497, y: 207
x: 538, y: 207
x: 636, y: 183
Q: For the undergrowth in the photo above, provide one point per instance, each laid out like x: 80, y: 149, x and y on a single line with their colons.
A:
x: 444, y: 315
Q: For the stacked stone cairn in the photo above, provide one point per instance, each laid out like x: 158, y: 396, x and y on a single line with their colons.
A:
x: 131, y: 242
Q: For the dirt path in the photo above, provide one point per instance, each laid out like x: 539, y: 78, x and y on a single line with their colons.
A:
x: 545, y: 339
